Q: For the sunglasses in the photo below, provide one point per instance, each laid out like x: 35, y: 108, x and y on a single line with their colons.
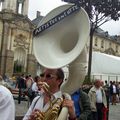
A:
x: 47, y: 76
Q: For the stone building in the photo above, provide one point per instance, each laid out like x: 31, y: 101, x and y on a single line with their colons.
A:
x: 105, y: 43
x: 16, y: 53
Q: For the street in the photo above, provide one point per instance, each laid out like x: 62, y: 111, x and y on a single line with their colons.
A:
x: 21, y: 108
x: 114, y: 111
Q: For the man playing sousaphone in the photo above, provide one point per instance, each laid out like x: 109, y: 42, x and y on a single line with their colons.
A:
x: 48, y: 105
x: 65, y: 44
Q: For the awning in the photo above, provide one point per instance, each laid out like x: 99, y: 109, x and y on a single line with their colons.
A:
x: 105, y: 64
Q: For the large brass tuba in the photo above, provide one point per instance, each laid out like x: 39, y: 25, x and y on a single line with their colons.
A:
x: 65, y: 44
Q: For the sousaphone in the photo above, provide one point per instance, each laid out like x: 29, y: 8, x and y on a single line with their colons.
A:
x: 63, y: 44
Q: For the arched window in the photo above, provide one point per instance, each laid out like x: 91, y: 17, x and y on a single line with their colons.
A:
x: 19, y: 60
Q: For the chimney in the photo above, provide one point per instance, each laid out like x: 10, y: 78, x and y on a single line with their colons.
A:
x: 38, y: 14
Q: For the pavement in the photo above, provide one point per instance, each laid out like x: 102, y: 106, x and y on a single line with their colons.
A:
x: 21, y: 108
x: 114, y: 110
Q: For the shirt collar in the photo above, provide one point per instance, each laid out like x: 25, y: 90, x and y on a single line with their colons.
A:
x: 57, y: 94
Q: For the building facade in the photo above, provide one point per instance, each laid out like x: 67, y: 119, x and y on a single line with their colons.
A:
x: 16, y: 53
x: 105, y: 43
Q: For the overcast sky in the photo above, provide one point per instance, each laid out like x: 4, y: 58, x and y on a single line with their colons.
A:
x: 45, y: 6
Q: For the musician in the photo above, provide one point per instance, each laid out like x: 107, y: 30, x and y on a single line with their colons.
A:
x: 7, y: 106
x: 54, y: 79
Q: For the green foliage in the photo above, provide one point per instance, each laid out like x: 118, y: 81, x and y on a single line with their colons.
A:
x: 87, y: 81
x: 99, y: 11
x: 109, y: 8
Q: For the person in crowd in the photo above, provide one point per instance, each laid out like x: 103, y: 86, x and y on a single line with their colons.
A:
x: 7, y: 105
x: 113, y: 92
x: 119, y: 90
x: 33, y: 89
x: 98, y: 100
x: 110, y: 100
x: 21, y: 85
x: 52, y: 79
x: 102, y: 83
x: 107, y: 90
x: 107, y: 93
x: 86, y: 87
x: 5, y: 78
x: 2, y: 82
x: 117, y: 94
x: 82, y: 105
x: 21, y: 82
x: 36, y: 84
x: 29, y: 81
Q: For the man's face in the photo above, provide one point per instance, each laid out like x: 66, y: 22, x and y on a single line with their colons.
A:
x: 98, y: 83
x: 50, y: 77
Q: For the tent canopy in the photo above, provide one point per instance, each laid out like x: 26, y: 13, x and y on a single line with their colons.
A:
x: 105, y: 64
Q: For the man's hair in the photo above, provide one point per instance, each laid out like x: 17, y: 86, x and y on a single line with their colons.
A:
x: 96, y: 80
x: 105, y: 81
x: 60, y: 74
x: 36, y: 79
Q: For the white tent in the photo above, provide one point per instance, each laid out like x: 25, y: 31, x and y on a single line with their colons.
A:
x: 105, y: 66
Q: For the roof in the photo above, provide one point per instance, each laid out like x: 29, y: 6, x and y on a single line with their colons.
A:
x: 105, y: 64
x: 37, y: 20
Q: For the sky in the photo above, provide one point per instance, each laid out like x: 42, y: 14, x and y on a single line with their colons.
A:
x: 45, y: 6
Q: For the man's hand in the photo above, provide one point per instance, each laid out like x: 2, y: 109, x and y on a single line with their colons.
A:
x: 36, y: 114
x: 70, y: 105
x: 43, y: 86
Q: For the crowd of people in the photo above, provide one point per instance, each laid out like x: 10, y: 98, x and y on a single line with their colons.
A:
x: 89, y: 102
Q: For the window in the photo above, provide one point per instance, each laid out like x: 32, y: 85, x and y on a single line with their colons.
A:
x: 19, y: 60
x: 96, y: 40
x: 1, y: 4
x: 116, y: 48
x: 102, y: 44
x: 110, y: 44
x: 20, y: 6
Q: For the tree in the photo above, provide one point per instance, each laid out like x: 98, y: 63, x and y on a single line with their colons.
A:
x: 99, y: 12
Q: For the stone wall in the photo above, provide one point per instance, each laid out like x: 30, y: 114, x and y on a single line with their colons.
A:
x: 9, y: 63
